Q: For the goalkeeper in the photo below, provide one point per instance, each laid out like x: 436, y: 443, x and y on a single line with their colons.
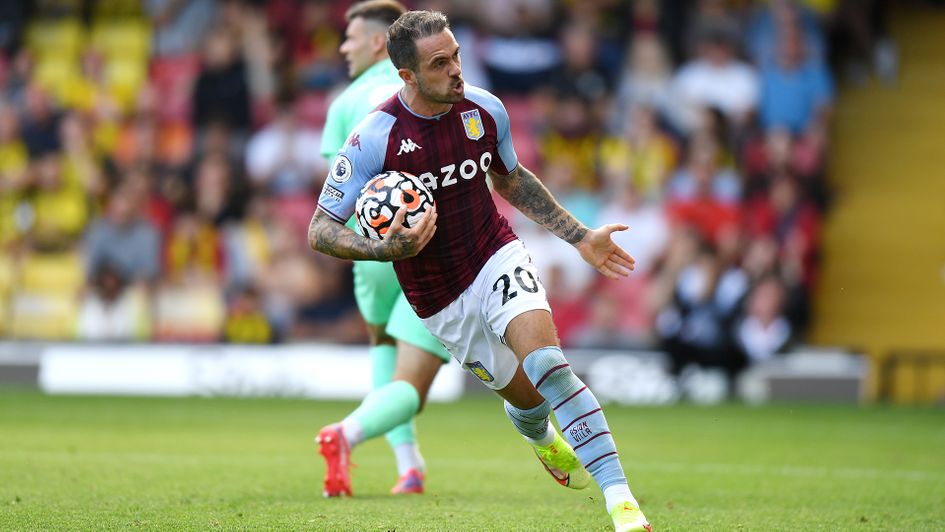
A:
x: 405, y: 357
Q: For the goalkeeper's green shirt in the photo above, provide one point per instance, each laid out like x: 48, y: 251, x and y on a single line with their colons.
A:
x: 365, y: 92
x: 372, y: 87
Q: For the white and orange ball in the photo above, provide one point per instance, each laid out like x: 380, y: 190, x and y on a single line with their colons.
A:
x: 383, y: 195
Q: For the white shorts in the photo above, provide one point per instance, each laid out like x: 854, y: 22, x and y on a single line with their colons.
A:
x: 472, y: 328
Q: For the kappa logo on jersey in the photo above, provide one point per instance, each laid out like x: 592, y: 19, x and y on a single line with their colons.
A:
x: 355, y: 141
x: 334, y: 193
x: 480, y: 371
x: 473, y: 124
x: 408, y: 146
x: 341, y: 171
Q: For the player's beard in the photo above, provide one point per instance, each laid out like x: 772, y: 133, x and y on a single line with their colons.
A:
x: 446, y: 96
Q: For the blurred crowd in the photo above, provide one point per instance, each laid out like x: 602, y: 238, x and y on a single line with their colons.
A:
x: 159, y: 163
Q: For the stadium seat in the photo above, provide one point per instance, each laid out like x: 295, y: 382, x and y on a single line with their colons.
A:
x: 55, y: 273
x: 6, y: 274
x: 44, y: 301
x: 192, y: 313
x: 125, y: 44
x: 37, y: 316
x: 6, y: 287
x: 55, y: 38
x: 122, y: 38
x: 124, y: 76
x: 41, y: 316
x: 168, y: 70
x: 57, y: 74
x: 114, y: 9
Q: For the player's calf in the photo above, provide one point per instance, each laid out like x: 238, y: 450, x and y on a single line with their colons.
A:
x: 581, y: 419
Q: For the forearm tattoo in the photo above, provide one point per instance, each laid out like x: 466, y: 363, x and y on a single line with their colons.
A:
x: 333, y: 238
x: 526, y: 193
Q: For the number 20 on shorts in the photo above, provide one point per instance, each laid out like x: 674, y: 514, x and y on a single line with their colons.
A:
x: 524, y: 277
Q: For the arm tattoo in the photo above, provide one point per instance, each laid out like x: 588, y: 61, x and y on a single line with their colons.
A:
x: 333, y: 238
x: 526, y: 193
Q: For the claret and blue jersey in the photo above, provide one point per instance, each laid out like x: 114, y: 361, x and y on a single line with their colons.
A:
x: 451, y: 153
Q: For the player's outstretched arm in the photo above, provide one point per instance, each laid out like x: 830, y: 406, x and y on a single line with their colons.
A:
x: 526, y: 193
x: 327, y: 235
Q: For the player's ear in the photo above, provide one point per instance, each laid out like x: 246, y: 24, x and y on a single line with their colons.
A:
x: 407, y: 76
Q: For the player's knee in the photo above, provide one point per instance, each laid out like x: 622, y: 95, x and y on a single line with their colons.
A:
x: 531, y: 331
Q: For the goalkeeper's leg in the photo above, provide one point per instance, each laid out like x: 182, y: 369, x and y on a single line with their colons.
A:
x: 383, y: 409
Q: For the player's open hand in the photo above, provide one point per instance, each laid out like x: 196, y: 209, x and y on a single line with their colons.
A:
x: 599, y: 250
x: 404, y: 242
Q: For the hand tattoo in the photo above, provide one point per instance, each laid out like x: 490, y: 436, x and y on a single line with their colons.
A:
x: 399, y: 246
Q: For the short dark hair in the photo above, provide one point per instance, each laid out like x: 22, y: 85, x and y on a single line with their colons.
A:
x: 403, y: 34
x: 381, y: 11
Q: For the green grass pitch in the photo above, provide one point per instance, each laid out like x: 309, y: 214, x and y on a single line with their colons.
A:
x: 97, y: 463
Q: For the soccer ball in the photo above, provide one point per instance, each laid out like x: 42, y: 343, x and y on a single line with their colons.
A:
x: 383, y: 195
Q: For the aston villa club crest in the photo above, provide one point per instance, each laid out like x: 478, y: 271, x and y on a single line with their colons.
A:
x: 473, y: 124
x: 478, y: 369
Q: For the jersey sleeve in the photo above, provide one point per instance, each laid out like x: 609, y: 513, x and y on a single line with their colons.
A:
x: 360, y: 158
x: 508, y: 159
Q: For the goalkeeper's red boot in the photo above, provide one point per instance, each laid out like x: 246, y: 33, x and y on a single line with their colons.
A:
x: 410, y: 482
x: 334, y: 447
